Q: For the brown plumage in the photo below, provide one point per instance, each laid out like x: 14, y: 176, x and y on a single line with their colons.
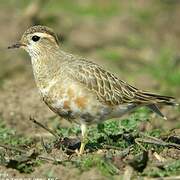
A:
x: 109, y: 88
x: 80, y: 90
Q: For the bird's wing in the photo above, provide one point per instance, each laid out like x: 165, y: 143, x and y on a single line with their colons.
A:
x: 106, y: 85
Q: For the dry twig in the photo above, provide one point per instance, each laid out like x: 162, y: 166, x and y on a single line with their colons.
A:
x: 12, y: 148
x: 154, y: 140
x: 44, y: 127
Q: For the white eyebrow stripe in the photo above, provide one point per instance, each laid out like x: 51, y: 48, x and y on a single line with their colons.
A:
x: 42, y: 35
x: 46, y: 35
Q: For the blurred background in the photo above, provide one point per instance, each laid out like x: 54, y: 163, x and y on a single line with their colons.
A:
x: 137, y: 40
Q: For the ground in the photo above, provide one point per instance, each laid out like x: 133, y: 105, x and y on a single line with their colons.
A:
x: 137, y: 41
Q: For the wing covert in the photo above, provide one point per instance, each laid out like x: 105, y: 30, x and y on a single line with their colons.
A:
x: 106, y: 85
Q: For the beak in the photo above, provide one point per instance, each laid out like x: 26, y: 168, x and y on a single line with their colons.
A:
x: 16, y: 45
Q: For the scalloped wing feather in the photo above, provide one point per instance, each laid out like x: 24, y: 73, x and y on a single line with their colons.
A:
x: 107, y: 86
x: 110, y: 89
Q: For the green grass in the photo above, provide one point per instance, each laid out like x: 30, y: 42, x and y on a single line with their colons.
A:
x: 97, y: 10
x: 10, y: 137
x: 11, y: 158
x: 171, y: 168
x: 114, y: 133
x: 93, y: 9
x: 111, y: 131
x: 101, y: 163
x: 135, y: 41
x: 110, y: 55
x: 143, y: 16
x: 165, y: 69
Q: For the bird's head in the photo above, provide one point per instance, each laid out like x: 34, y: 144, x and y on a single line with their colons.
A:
x: 37, y: 40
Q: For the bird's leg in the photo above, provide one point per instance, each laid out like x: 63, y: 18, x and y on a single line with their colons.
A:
x: 84, y: 138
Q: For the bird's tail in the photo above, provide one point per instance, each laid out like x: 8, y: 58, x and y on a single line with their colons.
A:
x: 152, y: 100
x: 159, y: 99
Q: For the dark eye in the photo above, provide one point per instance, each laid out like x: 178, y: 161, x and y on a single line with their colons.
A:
x: 35, y: 38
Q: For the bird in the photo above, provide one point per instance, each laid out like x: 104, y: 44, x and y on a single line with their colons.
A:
x: 76, y: 88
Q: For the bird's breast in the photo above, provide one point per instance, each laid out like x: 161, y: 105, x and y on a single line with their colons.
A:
x: 73, y: 101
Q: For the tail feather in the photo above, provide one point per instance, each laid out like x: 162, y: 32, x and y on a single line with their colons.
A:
x: 157, y: 99
x: 152, y: 100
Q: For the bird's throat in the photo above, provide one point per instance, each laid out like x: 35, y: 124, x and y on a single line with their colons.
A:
x: 45, y: 70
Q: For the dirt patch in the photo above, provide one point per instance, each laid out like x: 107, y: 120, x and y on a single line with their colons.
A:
x: 126, y: 43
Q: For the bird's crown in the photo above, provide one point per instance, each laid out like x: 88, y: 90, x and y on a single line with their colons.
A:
x: 41, y: 29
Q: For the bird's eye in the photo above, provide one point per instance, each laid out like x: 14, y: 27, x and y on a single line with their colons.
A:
x: 35, y: 38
